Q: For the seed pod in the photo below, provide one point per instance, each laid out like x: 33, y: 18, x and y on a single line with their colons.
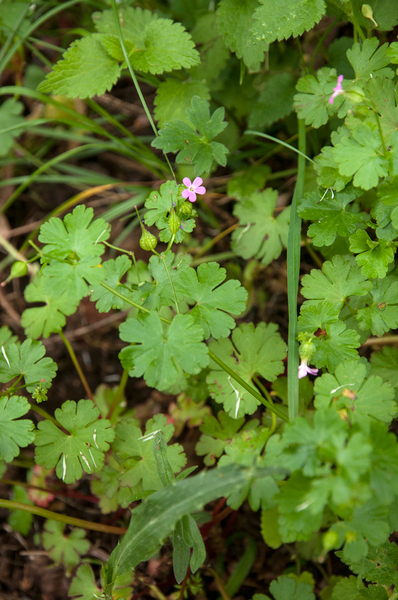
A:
x: 18, y: 269
x: 148, y: 241
x: 186, y: 208
x: 174, y: 222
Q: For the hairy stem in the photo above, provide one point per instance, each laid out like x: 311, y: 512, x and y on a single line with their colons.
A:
x: 119, y: 394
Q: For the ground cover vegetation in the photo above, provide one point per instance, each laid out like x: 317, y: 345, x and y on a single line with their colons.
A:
x: 221, y: 177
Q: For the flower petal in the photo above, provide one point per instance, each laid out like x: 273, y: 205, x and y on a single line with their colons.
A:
x: 200, y: 190
x: 186, y: 181
x: 191, y: 196
x: 197, y: 181
x: 185, y: 193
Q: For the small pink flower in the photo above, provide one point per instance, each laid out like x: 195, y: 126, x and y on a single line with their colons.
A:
x: 193, y: 188
x: 304, y: 369
x: 337, y: 90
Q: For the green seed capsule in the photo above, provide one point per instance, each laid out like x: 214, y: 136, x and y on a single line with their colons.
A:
x: 18, y: 269
x: 174, y: 222
x: 186, y: 208
x: 148, y: 241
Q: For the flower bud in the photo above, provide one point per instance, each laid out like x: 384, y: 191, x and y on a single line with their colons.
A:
x: 148, y: 241
x: 174, y: 222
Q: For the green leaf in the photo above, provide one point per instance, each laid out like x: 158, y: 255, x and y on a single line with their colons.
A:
x: 47, y: 319
x: 368, y: 60
x: 212, y: 304
x: 74, y: 279
x: 173, y: 97
x: 14, y: 434
x: 214, y: 54
x: 381, y: 92
x: 252, y: 351
x: 83, y: 585
x: 234, y: 18
x: 20, y: 520
x: 137, y: 454
x: 350, y: 389
x: 314, y: 316
x: 274, y: 102
x: 381, y: 311
x: 374, y: 257
x: 328, y: 169
x: 113, y: 271
x: 64, y: 549
x: 6, y: 337
x: 252, y: 180
x: 159, y: 292
x: 336, y: 345
x: 379, y: 566
x: 86, y: 70
x: 26, y: 359
x: 287, y: 588
x: 82, y: 449
x: 260, y: 234
x: 113, y: 47
x: 160, y: 44
x: 10, y: 112
x: 157, y: 515
x: 76, y: 236
x: 360, y: 156
x: 194, y: 539
x: 276, y: 21
x: 338, y: 280
x: 217, y: 433
x: 312, y: 101
x: 385, y: 364
x: 194, y: 144
x: 333, y: 215
x: 181, y: 553
x: 162, y: 356
x: 347, y: 588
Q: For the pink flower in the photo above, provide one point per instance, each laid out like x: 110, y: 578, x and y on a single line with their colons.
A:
x: 337, y: 90
x: 304, y: 369
x: 193, y: 188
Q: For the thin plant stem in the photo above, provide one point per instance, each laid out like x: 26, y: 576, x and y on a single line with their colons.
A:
x: 218, y: 257
x: 171, y: 283
x: 49, y: 514
x: 77, y: 365
x: 353, y: 19
x: 134, y: 78
x: 119, y: 394
x: 216, y: 239
x: 274, y: 139
x: 387, y: 339
x: 213, y: 356
x: 40, y: 411
x: 293, y: 270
